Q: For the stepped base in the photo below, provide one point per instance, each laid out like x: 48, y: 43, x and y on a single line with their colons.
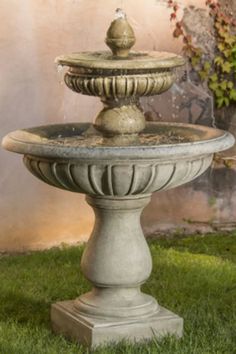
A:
x: 92, y: 331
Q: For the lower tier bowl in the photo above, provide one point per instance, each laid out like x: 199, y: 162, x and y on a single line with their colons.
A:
x: 77, y: 158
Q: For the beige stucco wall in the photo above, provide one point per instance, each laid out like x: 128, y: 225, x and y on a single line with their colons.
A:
x: 32, y: 33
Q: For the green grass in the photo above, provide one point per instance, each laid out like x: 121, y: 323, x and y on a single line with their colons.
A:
x: 193, y: 276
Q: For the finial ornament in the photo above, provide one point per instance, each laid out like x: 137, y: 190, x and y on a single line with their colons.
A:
x: 120, y: 35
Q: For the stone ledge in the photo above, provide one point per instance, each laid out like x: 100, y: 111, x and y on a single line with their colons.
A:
x: 93, y: 331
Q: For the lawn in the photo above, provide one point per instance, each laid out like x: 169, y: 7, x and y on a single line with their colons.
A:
x: 192, y: 276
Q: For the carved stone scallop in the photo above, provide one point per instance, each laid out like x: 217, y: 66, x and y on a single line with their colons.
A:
x: 99, y: 178
x: 120, y: 87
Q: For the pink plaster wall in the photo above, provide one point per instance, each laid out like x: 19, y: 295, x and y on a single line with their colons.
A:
x: 32, y: 33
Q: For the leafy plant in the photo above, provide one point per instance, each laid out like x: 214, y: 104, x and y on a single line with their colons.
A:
x: 220, y: 72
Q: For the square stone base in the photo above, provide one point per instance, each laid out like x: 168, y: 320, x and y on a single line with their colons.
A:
x: 93, y: 332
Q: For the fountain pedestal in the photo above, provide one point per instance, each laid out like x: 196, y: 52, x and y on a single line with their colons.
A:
x: 92, y: 331
x: 117, y: 262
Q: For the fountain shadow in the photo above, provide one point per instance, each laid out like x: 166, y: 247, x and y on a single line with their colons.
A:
x: 31, y: 283
x: 22, y: 309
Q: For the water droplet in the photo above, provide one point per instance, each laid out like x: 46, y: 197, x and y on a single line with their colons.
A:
x: 59, y: 68
x: 119, y: 14
x: 60, y: 73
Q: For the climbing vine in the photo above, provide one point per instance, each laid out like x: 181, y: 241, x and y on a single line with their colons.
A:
x: 220, y: 72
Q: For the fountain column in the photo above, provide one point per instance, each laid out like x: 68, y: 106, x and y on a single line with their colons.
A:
x: 117, y: 262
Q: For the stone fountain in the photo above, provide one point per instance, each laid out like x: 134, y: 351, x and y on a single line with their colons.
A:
x: 118, y: 162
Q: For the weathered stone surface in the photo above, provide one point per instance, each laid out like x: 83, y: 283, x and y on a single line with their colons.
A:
x: 229, y: 6
x: 103, y: 178
x: 185, y: 102
x: 199, y: 25
x: 94, y: 331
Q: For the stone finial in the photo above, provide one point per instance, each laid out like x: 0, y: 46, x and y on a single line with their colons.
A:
x: 120, y: 35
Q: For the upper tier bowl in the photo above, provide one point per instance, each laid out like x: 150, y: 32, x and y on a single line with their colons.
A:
x: 100, y: 74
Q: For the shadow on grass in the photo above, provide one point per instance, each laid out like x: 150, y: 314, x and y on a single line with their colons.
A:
x: 31, y: 283
x: 22, y: 309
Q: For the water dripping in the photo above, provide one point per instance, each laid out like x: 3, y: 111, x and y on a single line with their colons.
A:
x: 60, y: 73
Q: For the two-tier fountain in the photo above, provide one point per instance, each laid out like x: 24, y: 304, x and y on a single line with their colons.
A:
x: 118, y: 162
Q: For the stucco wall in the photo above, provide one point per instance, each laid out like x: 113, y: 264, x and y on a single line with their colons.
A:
x: 32, y: 33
